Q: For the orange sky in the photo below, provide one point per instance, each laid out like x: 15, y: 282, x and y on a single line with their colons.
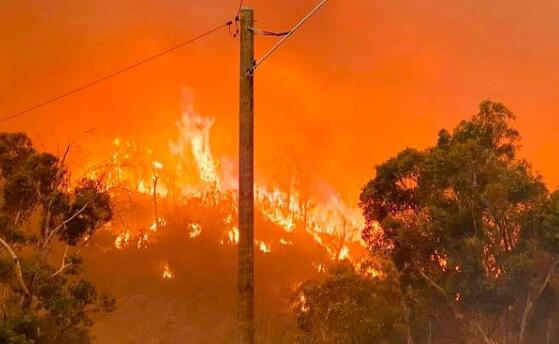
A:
x: 361, y: 81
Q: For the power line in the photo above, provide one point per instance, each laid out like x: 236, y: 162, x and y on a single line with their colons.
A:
x: 237, y: 31
x: 288, y: 34
x: 116, y: 73
x: 240, y: 7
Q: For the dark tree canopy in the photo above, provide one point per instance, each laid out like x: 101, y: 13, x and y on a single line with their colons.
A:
x: 347, y: 307
x: 471, y: 230
x: 41, y: 303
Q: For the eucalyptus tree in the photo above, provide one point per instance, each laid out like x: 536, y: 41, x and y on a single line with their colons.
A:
x: 44, y: 219
x: 472, y: 232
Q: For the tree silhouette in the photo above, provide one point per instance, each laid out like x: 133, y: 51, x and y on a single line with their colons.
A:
x: 41, y: 211
x: 469, y: 228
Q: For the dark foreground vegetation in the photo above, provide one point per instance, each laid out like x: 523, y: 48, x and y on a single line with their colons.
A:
x: 43, y: 298
x: 468, y: 247
x: 463, y: 241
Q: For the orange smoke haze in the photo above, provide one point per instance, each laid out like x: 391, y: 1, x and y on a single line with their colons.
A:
x: 361, y: 81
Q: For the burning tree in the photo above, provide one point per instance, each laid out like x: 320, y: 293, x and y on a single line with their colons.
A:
x: 44, y: 298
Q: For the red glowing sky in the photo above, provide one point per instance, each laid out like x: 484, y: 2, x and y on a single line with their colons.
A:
x: 361, y: 81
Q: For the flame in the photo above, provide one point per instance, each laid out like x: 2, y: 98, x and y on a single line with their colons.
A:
x: 231, y: 237
x: 262, y: 246
x: 277, y: 208
x: 195, y: 132
x: 142, y: 241
x: 122, y: 240
x: 142, y: 188
x: 160, y: 223
x: 167, y: 273
x: 334, y: 225
x: 344, y: 253
x: 319, y: 267
x: 304, y: 307
x: 440, y: 260
x: 374, y: 273
x: 228, y: 219
x: 285, y: 242
x: 157, y: 165
x: 194, y: 230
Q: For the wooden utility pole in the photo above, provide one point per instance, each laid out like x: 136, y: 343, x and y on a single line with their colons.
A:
x: 246, y: 182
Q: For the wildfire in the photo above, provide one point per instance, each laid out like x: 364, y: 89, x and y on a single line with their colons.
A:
x: 232, y: 236
x: 194, y: 230
x: 122, y: 240
x: 319, y: 267
x: 303, y: 303
x: 440, y: 260
x: 344, y: 253
x: 142, y: 241
x: 157, y: 165
x: 262, y: 246
x: 332, y: 224
x: 278, y: 208
x: 167, y: 273
x: 160, y: 223
x: 195, y: 133
x: 228, y: 219
x: 285, y: 242
x: 374, y: 273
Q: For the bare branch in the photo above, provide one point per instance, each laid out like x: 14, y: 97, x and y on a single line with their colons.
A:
x: 65, y: 154
x: 532, y: 298
x: 76, y: 214
x: 457, y: 314
x: 60, y: 226
x: 17, y: 265
x: 433, y: 284
x: 63, y: 264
